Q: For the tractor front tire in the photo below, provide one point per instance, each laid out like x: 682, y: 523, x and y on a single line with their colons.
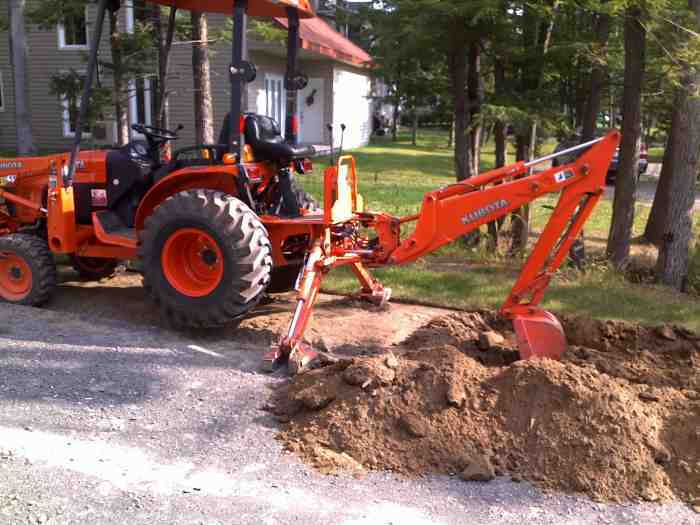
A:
x: 206, y: 258
x: 27, y: 270
x: 94, y: 268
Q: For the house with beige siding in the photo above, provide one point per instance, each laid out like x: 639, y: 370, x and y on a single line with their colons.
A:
x: 339, y: 88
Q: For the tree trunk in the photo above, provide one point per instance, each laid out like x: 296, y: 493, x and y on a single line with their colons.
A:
x: 118, y: 92
x: 203, y: 106
x: 654, y: 230
x: 499, y: 135
x: 414, y: 130
x: 520, y: 219
x: 165, y: 43
x: 395, y: 121
x: 598, y: 77
x: 18, y: 53
x: 451, y: 134
x: 475, y: 90
x: 626, y: 181
x: 458, y: 80
x: 672, y: 264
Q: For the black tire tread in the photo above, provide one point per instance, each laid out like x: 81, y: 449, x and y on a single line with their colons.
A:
x: 35, y: 252
x: 243, y: 233
x: 91, y: 275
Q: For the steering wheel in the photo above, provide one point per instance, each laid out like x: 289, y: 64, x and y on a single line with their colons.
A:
x: 156, y: 133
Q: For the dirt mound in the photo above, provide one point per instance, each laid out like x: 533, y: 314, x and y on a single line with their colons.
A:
x: 618, y: 419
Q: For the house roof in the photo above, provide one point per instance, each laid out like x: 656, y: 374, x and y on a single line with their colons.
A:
x: 267, y: 8
x: 316, y: 35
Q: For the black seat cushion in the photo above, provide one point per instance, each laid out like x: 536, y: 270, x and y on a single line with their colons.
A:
x: 263, y: 135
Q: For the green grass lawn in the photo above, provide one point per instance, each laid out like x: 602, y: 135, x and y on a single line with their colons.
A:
x: 395, y: 176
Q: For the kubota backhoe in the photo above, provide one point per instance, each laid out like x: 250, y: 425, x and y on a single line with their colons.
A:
x: 221, y: 224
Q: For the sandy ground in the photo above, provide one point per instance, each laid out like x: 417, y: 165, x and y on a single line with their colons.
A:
x: 108, y: 417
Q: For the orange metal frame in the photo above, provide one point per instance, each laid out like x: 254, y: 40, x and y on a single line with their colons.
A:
x: 448, y: 214
x: 336, y: 237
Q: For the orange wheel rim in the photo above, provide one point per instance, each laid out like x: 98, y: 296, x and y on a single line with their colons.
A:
x: 15, y: 277
x: 192, y: 262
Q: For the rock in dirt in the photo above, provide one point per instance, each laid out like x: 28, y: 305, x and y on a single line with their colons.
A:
x: 489, y: 340
x: 479, y: 469
x: 579, y: 425
x: 414, y: 425
x: 456, y: 395
x: 372, y: 372
x: 391, y: 362
x: 648, y: 396
x: 315, y: 397
x: 667, y: 333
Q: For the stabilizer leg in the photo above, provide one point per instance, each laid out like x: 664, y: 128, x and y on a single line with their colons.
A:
x: 291, y: 347
x: 372, y: 290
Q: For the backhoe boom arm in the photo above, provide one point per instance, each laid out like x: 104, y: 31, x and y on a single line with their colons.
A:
x: 446, y: 215
x: 452, y: 212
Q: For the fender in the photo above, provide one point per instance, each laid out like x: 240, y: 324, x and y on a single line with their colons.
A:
x: 218, y: 178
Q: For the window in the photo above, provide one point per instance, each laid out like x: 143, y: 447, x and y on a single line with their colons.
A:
x: 72, y: 33
x: 275, y: 99
x: 2, y: 94
x: 142, y: 102
x: 71, y: 107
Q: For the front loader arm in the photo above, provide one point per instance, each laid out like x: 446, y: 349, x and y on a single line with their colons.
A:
x: 452, y: 212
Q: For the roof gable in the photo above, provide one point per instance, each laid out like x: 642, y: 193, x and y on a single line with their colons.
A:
x: 318, y: 36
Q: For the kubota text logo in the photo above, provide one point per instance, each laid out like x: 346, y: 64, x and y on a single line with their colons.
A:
x: 475, y: 215
x: 11, y: 165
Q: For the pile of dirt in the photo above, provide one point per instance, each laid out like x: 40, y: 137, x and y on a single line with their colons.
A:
x: 617, y: 419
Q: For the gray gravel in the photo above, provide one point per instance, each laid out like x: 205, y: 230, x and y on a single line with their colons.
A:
x: 108, y: 422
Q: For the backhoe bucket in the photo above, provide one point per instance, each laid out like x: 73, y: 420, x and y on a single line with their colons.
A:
x: 539, y: 334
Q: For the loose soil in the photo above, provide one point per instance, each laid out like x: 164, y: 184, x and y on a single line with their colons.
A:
x: 618, y: 418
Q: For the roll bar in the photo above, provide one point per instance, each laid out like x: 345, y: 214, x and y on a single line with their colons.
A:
x: 238, y: 72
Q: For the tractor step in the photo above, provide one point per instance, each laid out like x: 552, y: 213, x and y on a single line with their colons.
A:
x: 109, y: 229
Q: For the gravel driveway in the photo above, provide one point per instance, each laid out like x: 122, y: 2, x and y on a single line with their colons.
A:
x: 106, y: 421
x: 646, y: 188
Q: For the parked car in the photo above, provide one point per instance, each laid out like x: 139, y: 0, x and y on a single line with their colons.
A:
x: 612, y: 169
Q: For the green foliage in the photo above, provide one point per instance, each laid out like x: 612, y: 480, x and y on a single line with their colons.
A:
x: 47, y: 13
x: 257, y: 28
x: 70, y: 85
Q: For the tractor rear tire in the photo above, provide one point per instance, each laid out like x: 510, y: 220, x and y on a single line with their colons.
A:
x: 206, y: 259
x: 27, y: 270
x: 94, y: 268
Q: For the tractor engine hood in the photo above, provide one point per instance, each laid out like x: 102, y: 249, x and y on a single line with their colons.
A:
x: 263, y: 8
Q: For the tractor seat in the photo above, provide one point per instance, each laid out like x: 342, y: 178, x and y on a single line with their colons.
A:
x: 264, y: 137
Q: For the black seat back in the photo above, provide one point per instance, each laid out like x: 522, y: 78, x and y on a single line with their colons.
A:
x: 264, y: 136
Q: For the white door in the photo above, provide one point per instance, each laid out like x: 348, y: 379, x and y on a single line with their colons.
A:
x: 275, y: 99
x: 311, y: 104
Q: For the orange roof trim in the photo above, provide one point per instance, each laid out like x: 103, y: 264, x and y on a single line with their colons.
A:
x: 316, y: 35
x: 265, y: 8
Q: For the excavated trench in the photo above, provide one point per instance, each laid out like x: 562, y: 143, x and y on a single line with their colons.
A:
x: 618, y: 418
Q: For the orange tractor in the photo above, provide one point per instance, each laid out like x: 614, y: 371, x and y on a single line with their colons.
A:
x: 219, y: 225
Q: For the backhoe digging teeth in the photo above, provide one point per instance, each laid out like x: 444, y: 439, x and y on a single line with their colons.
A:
x: 539, y: 335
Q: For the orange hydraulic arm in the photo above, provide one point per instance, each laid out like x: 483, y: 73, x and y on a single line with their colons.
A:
x: 446, y: 215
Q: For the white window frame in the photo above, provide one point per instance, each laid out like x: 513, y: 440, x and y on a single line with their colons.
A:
x: 2, y: 94
x: 270, y: 102
x: 65, y: 115
x: 62, y: 36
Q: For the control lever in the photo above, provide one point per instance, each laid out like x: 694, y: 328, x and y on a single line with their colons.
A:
x: 330, y: 132
x: 342, y: 136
